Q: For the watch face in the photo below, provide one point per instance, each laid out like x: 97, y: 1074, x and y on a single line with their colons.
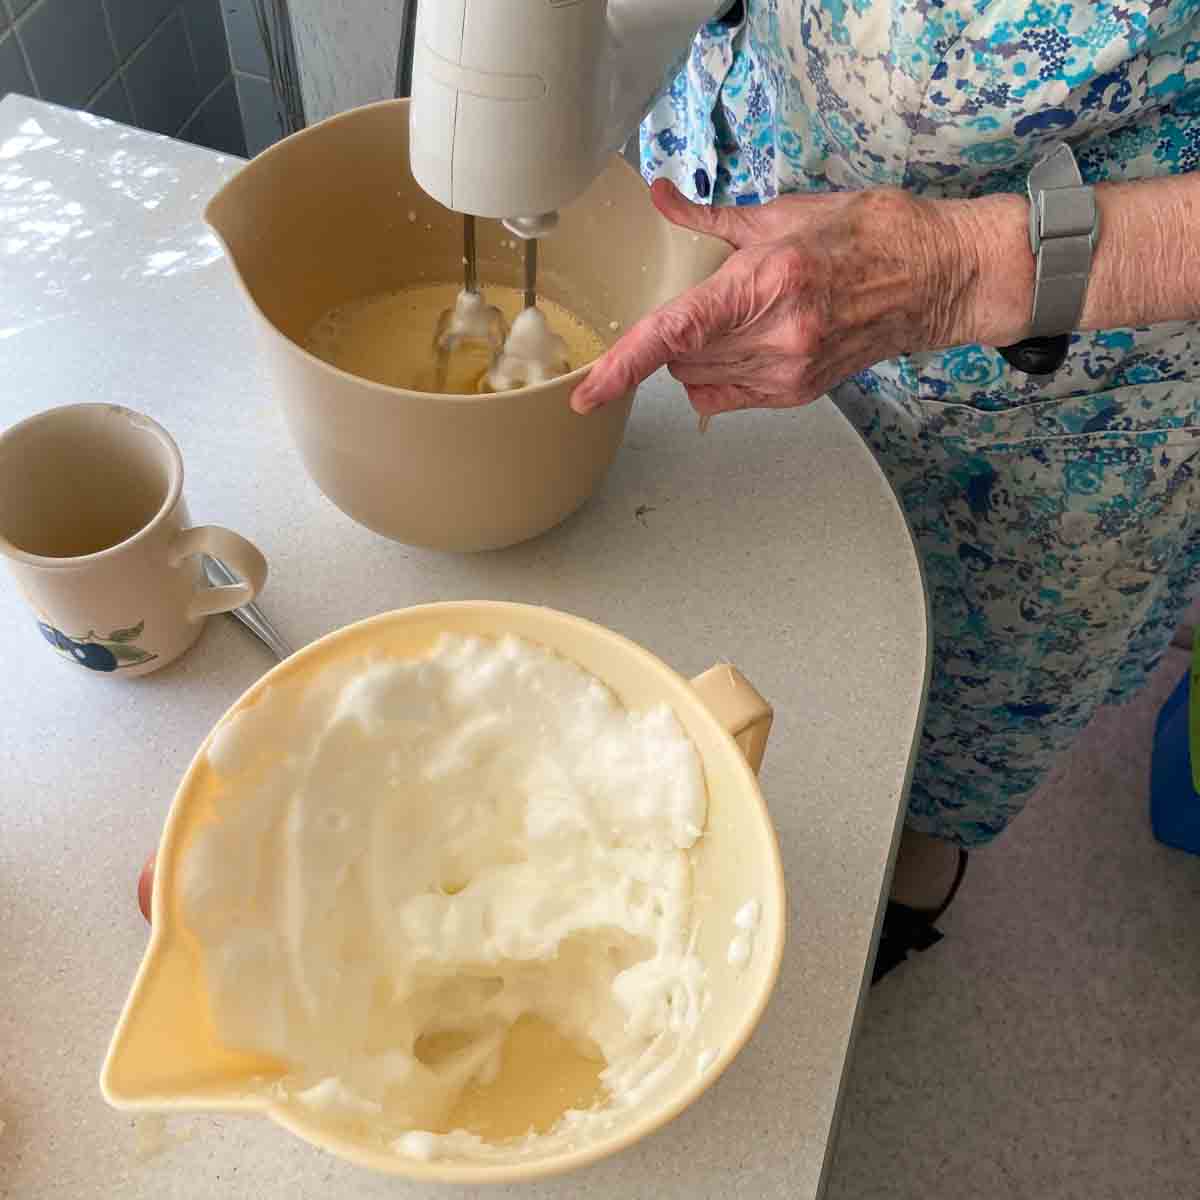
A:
x: 1039, y: 355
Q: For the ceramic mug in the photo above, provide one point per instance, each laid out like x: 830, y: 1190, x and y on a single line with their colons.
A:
x: 96, y: 531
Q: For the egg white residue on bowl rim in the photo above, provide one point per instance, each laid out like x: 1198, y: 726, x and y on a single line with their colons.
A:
x: 746, y: 921
x: 748, y: 916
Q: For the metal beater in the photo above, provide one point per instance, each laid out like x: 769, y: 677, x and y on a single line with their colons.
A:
x: 471, y: 319
x: 533, y: 353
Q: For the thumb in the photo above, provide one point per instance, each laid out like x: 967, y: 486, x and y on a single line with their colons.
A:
x: 732, y: 225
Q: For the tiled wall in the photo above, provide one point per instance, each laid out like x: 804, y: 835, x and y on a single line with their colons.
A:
x: 347, y: 51
x: 161, y: 64
x: 251, y: 72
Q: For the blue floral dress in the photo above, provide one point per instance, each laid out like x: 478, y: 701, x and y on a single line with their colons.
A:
x: 1056, y: 517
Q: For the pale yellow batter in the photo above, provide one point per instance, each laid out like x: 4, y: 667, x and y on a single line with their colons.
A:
x: 388, y: 338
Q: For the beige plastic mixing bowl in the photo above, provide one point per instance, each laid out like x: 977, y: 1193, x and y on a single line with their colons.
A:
x: 165, y: 1055
x: 332, y: 214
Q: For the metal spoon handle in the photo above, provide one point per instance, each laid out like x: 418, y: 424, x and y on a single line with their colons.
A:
x: 250, y: 615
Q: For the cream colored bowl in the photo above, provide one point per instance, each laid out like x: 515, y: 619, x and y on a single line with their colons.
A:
x: 165, y: 1055
x: 332, y: 214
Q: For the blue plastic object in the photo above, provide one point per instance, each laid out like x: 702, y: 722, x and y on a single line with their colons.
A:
x: 1174, y: 801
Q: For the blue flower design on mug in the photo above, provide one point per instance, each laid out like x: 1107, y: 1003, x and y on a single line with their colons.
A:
x: 110, y: 653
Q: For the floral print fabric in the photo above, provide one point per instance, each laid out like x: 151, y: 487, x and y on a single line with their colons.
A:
x: 1055, y: 517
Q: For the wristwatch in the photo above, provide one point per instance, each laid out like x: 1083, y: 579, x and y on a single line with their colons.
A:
x: 1063, y: 225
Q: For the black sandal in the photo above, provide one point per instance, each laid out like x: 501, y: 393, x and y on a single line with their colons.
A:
x: 906, y: 929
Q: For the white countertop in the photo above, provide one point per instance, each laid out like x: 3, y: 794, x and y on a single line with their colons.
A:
x: 773, y: 542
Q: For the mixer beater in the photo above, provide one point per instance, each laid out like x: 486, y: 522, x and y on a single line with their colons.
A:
x: 471, y: 319
x: 532, y: 352
x: 527, y: 354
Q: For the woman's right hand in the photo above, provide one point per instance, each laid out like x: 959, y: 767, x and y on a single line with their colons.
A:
x: 818, y: 287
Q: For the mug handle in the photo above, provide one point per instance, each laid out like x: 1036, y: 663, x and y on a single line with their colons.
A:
x: 736, y: 704
x: 243, y: 556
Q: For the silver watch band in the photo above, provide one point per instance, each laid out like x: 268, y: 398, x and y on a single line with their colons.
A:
x: 1063, y: 224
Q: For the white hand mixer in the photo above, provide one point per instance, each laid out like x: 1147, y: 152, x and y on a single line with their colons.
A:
x: 516, y: 108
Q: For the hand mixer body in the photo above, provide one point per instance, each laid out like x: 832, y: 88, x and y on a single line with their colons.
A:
x: 517, y: 104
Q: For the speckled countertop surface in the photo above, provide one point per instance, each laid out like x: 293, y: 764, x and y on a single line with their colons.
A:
x: 773, y: 542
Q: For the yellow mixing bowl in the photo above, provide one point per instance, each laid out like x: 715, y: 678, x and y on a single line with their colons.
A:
x: 165, y: 1055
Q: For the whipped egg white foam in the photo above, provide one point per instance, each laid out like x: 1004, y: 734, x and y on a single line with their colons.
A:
x: 448, y: 844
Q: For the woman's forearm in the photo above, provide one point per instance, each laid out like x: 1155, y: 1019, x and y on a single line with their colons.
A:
x: 1145, y: 267
x: 820, y: 286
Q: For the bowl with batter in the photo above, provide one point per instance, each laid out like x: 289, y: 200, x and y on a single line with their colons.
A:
x: 470, y: 891
x: 347, y: 264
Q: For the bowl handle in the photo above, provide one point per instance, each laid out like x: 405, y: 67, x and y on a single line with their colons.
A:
x: 733, y: 700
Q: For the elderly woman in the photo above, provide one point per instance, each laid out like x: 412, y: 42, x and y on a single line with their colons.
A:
x: 870, y: 166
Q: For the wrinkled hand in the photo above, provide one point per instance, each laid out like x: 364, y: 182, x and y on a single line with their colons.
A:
x: 818, y: 287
